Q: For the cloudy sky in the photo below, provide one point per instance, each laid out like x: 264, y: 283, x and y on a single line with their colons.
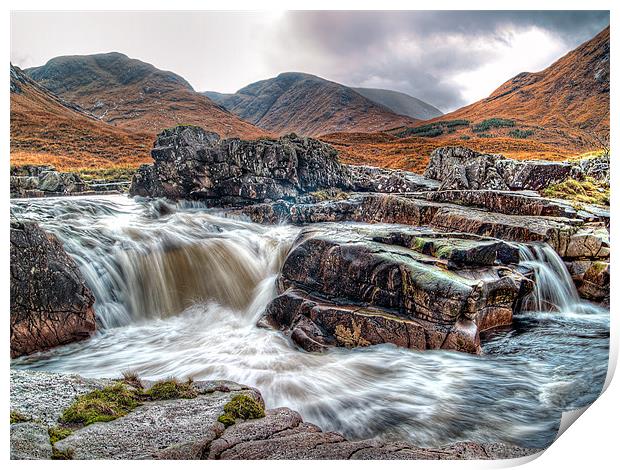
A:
x: 447, y: 58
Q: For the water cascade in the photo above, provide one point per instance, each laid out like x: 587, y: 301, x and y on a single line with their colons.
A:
x: 180, y: 288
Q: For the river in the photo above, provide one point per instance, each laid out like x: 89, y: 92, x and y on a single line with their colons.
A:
x: 180, y: 288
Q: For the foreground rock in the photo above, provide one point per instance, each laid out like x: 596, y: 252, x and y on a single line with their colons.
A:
x: 348, y: 287
x: 50, y: 302
x: 188, y: 429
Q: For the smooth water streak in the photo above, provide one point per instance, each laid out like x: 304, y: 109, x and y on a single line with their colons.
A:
x: 180, y: 288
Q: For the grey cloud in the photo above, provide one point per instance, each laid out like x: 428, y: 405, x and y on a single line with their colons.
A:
x: 366, y: 40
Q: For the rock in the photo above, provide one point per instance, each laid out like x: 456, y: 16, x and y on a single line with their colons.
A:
x: 597, y: 168
x: 191, y: 163
x: 463, y: 168
x: 50, y: 302
x: 282, y: 434
x: 30, y: 441
x: 384, y: 180
x: 38, y: 181
x: 347, y: 287
x: 591, y: 279
x: 504, y: 202
x: 58, y: 182
x: 588, y: 242
x: 43, y: 396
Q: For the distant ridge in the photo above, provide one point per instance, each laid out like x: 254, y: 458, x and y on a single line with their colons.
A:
x: 308, y: 105
x: 400, y: 103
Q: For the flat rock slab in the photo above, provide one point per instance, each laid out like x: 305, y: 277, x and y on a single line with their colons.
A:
x: 178, y: 429
x: 43, y: 396
x: 282, y: 434
x: 30, y: 441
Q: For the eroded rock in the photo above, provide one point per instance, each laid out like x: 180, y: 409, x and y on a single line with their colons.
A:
x: 348, y: 287
x: 50, y: 302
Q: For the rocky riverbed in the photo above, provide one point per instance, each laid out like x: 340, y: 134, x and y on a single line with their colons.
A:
x: 439, y: 309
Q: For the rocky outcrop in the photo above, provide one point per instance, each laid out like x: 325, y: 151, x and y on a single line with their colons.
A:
x: 191, y: 163
x: 463, y: 168
x: 416, y: 289
x: 50, y: 302
x: 591, y: 278
x: 37, y: 181
x: 188, y: 428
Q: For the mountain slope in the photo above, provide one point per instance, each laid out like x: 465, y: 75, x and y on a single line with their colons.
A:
x: 308, y: 105
x: 563, y: 104
x: 400, y: 103
x: 46, y: 129
x: 135, y: 95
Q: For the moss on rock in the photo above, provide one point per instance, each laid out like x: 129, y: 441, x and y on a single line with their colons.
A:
x: 17, y: 417
x: 58, y: 433
x: 171, y: 389
x: 106, y: 404
x: 241, y: 407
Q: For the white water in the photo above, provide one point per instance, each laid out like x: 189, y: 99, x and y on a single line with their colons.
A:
x: 179, y: 290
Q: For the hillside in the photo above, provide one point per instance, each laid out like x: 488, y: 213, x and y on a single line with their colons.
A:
x: 400, y: 103
x: 552, y: 114
x: 564, y: 104
x: 46, y: 129
x: 308, y: 105
x: 135, y: 95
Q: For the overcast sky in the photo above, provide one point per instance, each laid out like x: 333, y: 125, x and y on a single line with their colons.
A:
x: 447, y: 58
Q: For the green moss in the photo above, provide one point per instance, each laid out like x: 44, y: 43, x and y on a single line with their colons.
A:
x: 588, y: 191
x: 101, y: 405
x: 227, y: 419
x: 17, y: 417
x: 327, y: 194
x: 58, y: 433
x: 243, y: 407
x: 171, y: 389
x: 61, y: 455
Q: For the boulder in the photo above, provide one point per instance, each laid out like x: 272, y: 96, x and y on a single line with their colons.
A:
x: 463, y: 168
x: 50, y: 302
x: 60, y: 182
x: 191, y: 163
x: 354, y: 287
x: 591, y: 279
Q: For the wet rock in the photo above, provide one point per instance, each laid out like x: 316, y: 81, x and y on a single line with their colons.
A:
x: 50, y: 302
x: 191, y: 163
x: 30, y: 441
x: 504, y: 202
x: 282, y: 434
x: 591, y: 279
x: 463, y: 168
x: 38, y: 181
x: 588, y: 242
x: 349, y: 288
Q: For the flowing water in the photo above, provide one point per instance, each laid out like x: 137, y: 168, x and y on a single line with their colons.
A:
x: 179, y: 290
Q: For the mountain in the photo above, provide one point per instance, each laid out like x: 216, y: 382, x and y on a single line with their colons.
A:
x: 566, y: 103
x: 555, y: 114
x: 308, y: 105
x: 46, y: 129
x: 135, y: 95
x: 400, y: 103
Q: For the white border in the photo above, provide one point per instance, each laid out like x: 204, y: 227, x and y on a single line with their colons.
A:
x: 589, y: 444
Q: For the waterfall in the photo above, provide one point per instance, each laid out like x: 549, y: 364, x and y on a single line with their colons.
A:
x: 554, y: 288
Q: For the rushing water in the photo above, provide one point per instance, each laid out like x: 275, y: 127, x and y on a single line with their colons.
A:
x: 179, y: 290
